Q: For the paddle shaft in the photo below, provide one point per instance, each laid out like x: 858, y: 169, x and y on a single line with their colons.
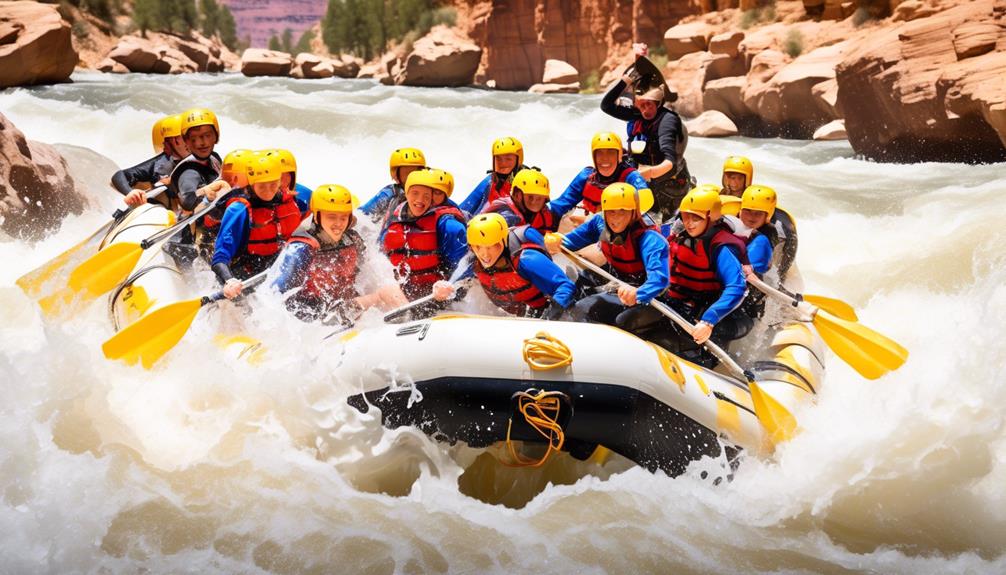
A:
x: 714, y: 349
x: 171, y: 232
x: 247, y: 285
x: 808, y: 309
x: 151, y: 194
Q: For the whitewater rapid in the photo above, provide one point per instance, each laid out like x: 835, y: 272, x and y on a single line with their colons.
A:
x: 208, y: 464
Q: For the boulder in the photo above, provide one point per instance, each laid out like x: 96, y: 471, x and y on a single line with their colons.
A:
x: 726, y: 95
x: 976, y: 38
x: 172, y: 61
x: 726, y: 43
x: 110, y: 66
x: 346, y: 66
x: 441, y: 58
x: 35, y: 45
x: 912, y: 9
x: 571, y: 88
x: 312, y: 67
x: 825, y: 95
x: 689, y: 75
x: 905, y: 96
x: 786, y: 99
x: 764, y: 67
x: 711, y: 124
x: 833, y: 130
x: 135, y: 54
x: 559, y: 72
x: 259, y: 62
x: 686, y: 39
x: 36, y: 188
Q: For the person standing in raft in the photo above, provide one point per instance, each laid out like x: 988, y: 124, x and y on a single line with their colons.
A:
x: 707, y: 282
x: 636, y: 253
x: 170, y: 148
x: 657, y: 139
x: 323, y: 259
x: 254, y: 227
x: 403, y: 162
x: 528, y: 203
x: 425, y: 241
x: 514, y: 270
x: 508, y: 159
x: 608, y: 166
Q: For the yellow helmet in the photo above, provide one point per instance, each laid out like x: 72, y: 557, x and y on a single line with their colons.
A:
x: 509, y: 145
x: 606, y: 141
x: 171, y: 127
x: 199, y: 117
x: 236, y: 162
x: 156, y: 138
x: 406, y: 157
x: 431, y: 178
x: 759, y: 198
x: 263, y: 168
x: 285, y: 160
x: 740, y: 165
x: 622, y: 196
x: 731, y: 205
x: 487, y: 230
x: 531, y: 182
x: 700, y: 202
x: 333, y: 198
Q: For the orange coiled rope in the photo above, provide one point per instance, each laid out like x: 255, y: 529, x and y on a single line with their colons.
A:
x: 541, y: 411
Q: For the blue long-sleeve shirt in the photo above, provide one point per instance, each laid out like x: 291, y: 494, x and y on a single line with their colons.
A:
x: 452, y: 242
x: 382, y: 201
x: 291, y: 266
x: 760, y: 254
x: 573, y: 194
x: 653, y: 250
x: 303, y: 198
x: 476, y: 200
x: 729, y: 272
x: 233, y: 234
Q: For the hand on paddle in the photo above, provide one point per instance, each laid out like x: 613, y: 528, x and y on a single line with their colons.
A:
x: 443, y: 290
x: 232, y: 288
x: 627, y: 294
x: 135, y: 198
x: 214, y: 189
x: 702, y: 332
x: 553, y: 242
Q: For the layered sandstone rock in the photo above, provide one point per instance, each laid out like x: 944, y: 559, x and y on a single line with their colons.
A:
x: 441, y: 58
x: 711, y: 124
x: 162, y: 53
x: 687, y: 38
x: 35, y: 45
x: 36, y: 189
x: 311, y: 66
x: 913, y: 93
x: 258, y: 62
x: 834, y: 130
x: 518, y: 36
x: 559, y: 72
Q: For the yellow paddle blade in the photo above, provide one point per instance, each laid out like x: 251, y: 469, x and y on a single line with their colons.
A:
x: 33, y: 281
x: 868, y: 352
x: 106, y: 269
x: 600, y: 455
x: 835, y: 307
x: 153, y: 335
x: 774, y: 417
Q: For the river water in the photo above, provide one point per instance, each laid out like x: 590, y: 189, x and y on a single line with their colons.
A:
x: 207, y: 464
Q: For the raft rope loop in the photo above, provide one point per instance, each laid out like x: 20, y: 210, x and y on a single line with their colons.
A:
x: 544, y: 352
x: 541, y: 411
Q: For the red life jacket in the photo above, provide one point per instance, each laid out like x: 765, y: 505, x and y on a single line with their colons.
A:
x: 411, y: 245
x: 623, y: 253
x: 505, y: 287
x: 544, y: 221
x: 593, y: 187
x: 499, y: 189
x: 212, y: 219
x: 331, y: 275
x: 692, y: 264
x: 272, y: 223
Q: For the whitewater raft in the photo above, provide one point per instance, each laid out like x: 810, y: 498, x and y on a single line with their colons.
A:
x: 570, y: 387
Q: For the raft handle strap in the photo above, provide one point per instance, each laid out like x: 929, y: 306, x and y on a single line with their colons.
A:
x: 544, y: 352
x: 541, y: 411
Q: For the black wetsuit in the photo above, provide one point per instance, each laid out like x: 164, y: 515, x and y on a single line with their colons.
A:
x: 666, y: 139
x: 148, y: 172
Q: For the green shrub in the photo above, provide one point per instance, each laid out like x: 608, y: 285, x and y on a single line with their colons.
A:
x: 793, y: 44
x: 591, y: 84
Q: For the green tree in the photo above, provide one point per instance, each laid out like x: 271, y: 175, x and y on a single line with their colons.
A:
x: 287, y: 40
x: 304, y: 44
x: 274, y: 44
x: 211, y: 17
x: 228, y: 29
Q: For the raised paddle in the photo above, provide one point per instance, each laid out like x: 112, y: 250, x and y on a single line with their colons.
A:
x: 868, y: 352
x: 108, y: 268
x: 735, y: 370
x: 33, y: 281
x: 147, y: 339
x: 835, y: 307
